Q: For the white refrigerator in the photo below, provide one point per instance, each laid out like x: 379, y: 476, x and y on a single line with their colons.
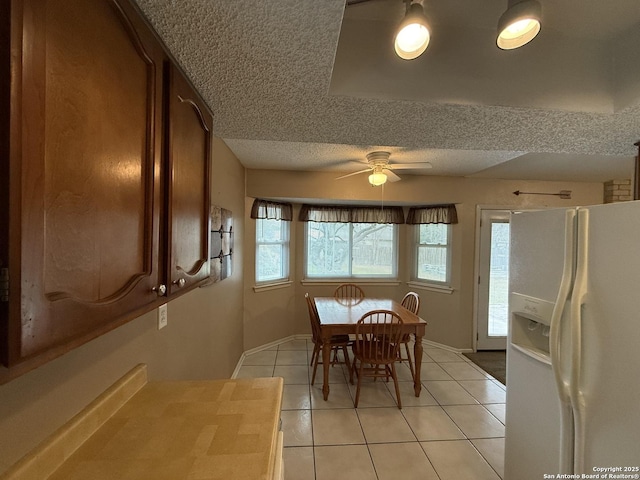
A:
x: 573, y: 354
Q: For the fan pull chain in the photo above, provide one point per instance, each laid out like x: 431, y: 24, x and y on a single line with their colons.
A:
x: 382, y: 202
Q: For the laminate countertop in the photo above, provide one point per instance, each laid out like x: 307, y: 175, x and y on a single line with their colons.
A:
x: 218, y: 429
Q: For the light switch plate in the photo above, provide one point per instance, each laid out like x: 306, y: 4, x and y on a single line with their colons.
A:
x: 163, y: 318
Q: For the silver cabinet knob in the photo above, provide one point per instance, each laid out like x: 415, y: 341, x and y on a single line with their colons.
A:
x: 180, y: 282
x: 161, y: 290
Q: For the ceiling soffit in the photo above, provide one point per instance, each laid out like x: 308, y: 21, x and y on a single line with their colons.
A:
x: 272, y: 73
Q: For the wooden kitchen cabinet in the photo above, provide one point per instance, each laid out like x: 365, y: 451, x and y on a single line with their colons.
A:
x: 94, y: 191
x: 188, y: 150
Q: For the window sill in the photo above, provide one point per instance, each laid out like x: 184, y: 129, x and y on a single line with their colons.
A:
x: 431, y: 287
x: 272, y: 286
x: 360, y: 281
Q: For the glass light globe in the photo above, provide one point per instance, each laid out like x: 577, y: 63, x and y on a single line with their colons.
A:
x: 377, y: 179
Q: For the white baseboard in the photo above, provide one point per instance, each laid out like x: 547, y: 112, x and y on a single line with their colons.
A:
x: 446, y: 347
x: 266, y: 346
x: 275, y: 343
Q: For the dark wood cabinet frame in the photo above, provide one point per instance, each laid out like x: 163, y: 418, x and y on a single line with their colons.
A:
x: 105, y: 194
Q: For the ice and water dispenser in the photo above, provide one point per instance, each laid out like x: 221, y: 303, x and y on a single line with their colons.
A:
x: 530, y: 325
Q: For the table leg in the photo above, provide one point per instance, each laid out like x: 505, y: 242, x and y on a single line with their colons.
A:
x: 417, y: 356
x: 326, y: 364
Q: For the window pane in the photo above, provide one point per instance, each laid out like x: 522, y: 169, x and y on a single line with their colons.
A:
x: 435, y: 233
x: 373, y: 249
x: 499, y: 280
x: 272, y: 250
x: 432, y: 263
x: 328, y: 246
x: 270, y: 263
x: 269, y: 230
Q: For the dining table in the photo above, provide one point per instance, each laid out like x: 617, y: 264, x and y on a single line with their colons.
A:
x: 339, y: 316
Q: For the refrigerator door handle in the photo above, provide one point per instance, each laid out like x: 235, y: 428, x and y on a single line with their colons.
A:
x: 556, y: 344
x: 555, y: 335
x: 577, y: 301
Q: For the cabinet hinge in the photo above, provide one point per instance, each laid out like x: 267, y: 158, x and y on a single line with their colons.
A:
x: 4, y: 284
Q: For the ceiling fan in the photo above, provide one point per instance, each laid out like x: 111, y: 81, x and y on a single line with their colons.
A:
x: 382, y: 169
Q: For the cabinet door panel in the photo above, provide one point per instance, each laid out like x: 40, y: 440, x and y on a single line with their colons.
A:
x: 189, y: 152
x: 95, y: 188
x: 91, y: 97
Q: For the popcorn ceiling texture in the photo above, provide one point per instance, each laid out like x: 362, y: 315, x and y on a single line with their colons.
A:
x: 264, y: 67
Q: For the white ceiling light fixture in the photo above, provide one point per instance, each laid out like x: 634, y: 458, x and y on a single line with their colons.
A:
x: 413, y: 33
x: 377, y: 178
x: 380, y: 169
x: 519, y: 24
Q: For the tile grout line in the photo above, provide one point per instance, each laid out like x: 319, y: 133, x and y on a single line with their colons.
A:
x: 366, y: 442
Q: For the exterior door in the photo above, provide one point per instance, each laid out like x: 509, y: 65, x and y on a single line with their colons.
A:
x: 493, y: 280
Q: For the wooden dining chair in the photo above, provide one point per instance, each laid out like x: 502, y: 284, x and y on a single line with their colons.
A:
x: 337, y: 342
x: 411, y: 302
x: 348, y: 290
x: 375, y: 349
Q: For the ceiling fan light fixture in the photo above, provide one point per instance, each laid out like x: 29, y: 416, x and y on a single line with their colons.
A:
x: 413, y: 34
x: 377, y: 178
x: 519, y: 24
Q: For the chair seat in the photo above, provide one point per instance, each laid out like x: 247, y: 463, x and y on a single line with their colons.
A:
x: 365, y: 350
x: 340, y: 339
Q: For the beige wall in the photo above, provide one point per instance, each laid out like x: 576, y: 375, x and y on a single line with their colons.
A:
x: 210, y: 327
x: 450, y: 316
x: 202, y: 340
x: 269, y: 314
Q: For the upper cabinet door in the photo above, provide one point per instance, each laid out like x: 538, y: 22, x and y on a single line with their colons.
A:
x: 85, y: 137
x: 188, y: 160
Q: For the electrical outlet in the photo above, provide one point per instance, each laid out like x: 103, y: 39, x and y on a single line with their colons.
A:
x: 163, y: 318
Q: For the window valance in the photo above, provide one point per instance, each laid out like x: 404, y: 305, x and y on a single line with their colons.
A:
x: 351, y: 214
x: 271, y: 210
x: 433, y: 214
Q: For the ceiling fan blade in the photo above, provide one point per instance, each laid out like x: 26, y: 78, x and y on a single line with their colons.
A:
x: 392, y: 177
x: 354, y: 173
x: 412, y: 166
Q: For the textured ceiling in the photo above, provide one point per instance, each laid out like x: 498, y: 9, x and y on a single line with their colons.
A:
x: 312, y: 85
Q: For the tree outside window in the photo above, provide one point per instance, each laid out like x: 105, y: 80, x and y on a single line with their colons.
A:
x: 340, y: 250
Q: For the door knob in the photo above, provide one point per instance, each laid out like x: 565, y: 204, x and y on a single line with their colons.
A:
x: 180, y: 282
x: 161, y: 290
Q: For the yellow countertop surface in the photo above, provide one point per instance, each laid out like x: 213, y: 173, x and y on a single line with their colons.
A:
x: 217, y: 429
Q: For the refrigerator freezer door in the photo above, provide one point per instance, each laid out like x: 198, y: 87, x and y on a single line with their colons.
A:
x: 609, y: 374
x: 537, y: 253
x: 538, y: 426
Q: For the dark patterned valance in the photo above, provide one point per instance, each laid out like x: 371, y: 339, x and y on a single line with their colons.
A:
x: 271, y: 210
x: 432, y: 214
x: 351, y: 214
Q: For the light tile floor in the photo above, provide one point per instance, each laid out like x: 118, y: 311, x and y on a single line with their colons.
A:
x: 453, y: 431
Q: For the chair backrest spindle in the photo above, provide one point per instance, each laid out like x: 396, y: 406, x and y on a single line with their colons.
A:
x: 411, y: 302
x: 348, y: 290
x: 378, y: 334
